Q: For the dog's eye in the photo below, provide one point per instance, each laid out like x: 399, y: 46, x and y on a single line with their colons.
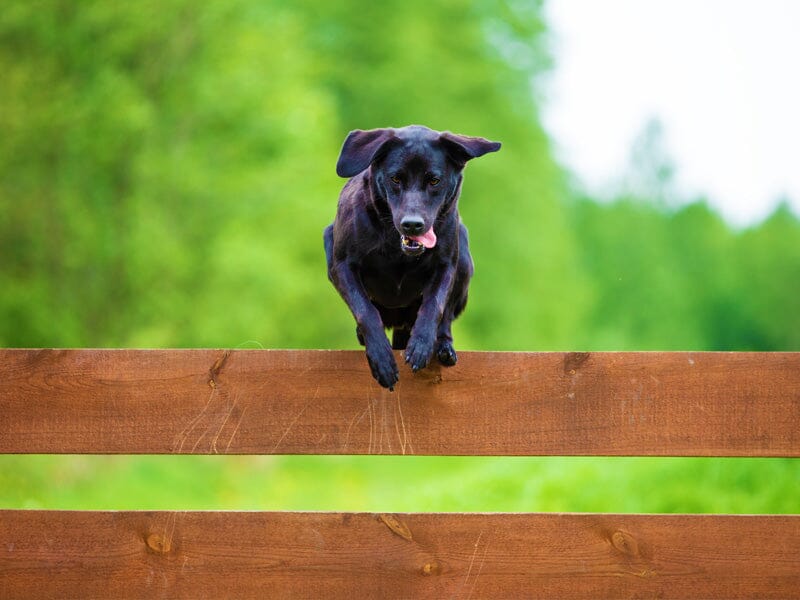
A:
x: 434, y: 181
x: 395, y: 179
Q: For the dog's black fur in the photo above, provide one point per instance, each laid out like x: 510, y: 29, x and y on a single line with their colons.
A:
x: 403, y: 183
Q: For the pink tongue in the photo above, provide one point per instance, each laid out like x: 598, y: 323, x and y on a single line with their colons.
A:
x: 427, y: 239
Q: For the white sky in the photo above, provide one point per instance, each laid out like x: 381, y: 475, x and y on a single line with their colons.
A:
x: 723, y: 76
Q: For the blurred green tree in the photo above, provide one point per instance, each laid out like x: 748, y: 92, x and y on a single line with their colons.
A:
x: 168, y: 179
x: 166, y: 170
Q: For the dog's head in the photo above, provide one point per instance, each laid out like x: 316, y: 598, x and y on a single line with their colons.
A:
x: 416, y: 170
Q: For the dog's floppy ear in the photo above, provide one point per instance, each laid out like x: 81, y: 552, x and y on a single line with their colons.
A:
x: 360, y: 149
x: 463, y: 147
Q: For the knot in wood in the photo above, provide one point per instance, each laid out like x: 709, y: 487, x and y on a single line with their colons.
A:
x: 159, y: 544
x: 396, y: 526
x: 573, y: 361
x: 431, y: 568
x: 625, y: 543
x: 215, y: 369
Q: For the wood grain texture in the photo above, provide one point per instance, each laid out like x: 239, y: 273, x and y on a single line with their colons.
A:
x: 326, y: 402
x: 51, y: 554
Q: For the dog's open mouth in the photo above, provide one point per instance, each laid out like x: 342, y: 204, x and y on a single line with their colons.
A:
x: 410, y: 246
x: 414, y: 245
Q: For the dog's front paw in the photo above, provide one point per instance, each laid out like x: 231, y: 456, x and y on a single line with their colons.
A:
x: 446, y: 353
x: 418, y: 351
x: 382, y: 363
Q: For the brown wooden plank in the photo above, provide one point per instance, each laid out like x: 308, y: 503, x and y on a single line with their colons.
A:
x: 52, y: 554
x: 326, y: 402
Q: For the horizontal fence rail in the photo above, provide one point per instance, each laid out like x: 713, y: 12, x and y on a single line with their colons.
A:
x: 326, y: 402
x: 51, y: 554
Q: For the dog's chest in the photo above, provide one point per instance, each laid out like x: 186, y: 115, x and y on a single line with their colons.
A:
x: 394, y: 284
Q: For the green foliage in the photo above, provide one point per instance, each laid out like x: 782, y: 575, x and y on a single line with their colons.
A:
x: 166, y: 170
x: 683, y: 280
x: 167, y: 181
x: 401, y: 483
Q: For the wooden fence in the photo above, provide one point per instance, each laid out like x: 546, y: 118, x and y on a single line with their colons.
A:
x: 325, y: 402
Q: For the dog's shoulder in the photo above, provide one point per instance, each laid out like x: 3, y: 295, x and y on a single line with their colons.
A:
x: 355, y: 231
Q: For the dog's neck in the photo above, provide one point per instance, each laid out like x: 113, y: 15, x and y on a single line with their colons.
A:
x: 377, y: 199
x: 451, y: 204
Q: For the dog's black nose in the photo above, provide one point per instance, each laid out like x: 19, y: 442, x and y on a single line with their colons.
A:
x: 412, y: 225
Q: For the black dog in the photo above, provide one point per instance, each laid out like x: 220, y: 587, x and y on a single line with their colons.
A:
x: 397, y: 251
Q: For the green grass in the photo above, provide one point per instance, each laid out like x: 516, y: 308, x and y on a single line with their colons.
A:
x: 402, y: 483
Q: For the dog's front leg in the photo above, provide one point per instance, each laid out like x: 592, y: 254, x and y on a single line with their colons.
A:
x: 423, y: 335
x: 379, y: 351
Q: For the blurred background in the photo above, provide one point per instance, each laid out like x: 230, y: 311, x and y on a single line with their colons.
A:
x: 167, y: 169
